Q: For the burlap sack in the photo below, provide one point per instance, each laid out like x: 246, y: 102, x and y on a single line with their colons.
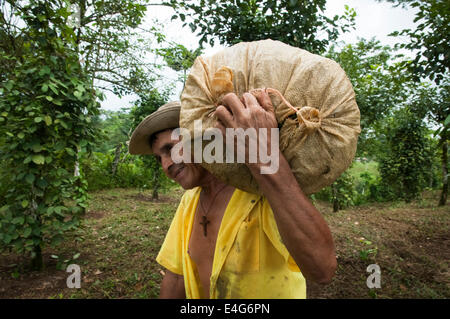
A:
x: 319, y: 142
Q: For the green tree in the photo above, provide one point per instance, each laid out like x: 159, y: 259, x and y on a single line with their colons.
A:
x: 381, y: 81
x: 46, y: 105
x: 179, y: 58
x: 113, y: 45
x: 433, y: 103
x: 116, y: 127
x: 406, y: 153
x: 117, y: 130
x: 295, y: 22
x: 342, y: 192
x: 430, y: 41
x: 385, y: 89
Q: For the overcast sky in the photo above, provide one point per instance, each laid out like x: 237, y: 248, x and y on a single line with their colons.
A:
x: 373, y: 19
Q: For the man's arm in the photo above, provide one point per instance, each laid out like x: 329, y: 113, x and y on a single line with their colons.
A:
x: 172, y: 286
x: 302, y: 228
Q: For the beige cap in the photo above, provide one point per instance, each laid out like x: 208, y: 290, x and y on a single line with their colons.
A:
x: 166, y: 117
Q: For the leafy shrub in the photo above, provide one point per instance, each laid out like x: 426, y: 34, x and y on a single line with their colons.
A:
x: 406, y: 156
x: 132, y: 172
x: 5, y: 181
x: 96, y: 169
x: 358, y: 185
x: 341, y: 192
x: 369, y: 189
x: 46, y: 105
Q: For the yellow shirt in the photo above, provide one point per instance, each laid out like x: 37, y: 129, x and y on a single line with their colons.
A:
x: 250, y: 260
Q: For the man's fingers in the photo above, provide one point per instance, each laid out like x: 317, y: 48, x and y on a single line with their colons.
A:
x: 250, y: 100
x: 224, y: 116
x: 221, y: 127
x: 264, y: 100
x: 234, y: 104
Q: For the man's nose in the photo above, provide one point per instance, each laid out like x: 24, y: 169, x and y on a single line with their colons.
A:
x: 166, y: 162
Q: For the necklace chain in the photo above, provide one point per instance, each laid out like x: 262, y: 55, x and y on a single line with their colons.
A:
x: 205, y: 220
x: 206, y: 212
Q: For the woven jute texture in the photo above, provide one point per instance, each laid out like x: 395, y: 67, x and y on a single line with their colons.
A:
x: 319, y: 140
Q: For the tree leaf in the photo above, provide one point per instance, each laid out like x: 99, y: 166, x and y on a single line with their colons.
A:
x: 19, y: 220
x: 36, y: 148
x: 48, y: 120
x: 27, y: 232
x: 447, y: 120
x: 78, y: 94
x: 42, y: 183
x: 70, y: 151
x: 38, y: 159
x: 63, y: 124
x: 7, y: 239
x: 30, y: 178
x: 54, y: 89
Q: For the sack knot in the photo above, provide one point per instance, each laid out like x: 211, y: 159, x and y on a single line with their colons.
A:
x: 310, y: 116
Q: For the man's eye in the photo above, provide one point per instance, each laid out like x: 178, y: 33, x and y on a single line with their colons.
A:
x: 168, y: 149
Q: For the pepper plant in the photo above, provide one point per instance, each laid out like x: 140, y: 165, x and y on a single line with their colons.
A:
x: 46, y: 105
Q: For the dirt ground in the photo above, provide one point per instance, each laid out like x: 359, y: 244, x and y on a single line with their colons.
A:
x: 410, y: 243
x: 124, y: 229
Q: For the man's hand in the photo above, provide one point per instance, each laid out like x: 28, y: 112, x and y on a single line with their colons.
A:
x: 253, y: 110
x: 249, y: 111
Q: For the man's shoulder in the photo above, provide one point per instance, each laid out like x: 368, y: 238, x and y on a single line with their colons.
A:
x: 190, y: 194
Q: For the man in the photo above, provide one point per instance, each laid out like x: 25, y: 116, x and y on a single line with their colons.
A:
x: 227, y: 243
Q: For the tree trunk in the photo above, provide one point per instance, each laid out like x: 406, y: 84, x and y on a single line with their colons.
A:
x: 443, y: 199
x: 37, y: 262
x: 76, y: 171
x: 335, y: 199
x: 156, y: 183
x: 116, y: 159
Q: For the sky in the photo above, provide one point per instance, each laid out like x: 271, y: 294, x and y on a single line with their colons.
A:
x: 374, y: 19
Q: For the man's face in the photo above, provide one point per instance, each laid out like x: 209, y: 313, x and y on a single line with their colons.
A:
x: 188, y: 175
